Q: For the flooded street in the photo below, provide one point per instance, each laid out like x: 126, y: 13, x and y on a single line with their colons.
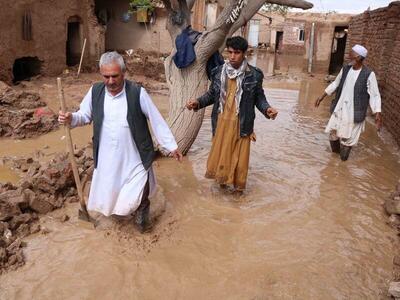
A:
x: 309, y: 226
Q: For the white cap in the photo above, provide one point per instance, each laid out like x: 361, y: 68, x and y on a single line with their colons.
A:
x: 360, y: 50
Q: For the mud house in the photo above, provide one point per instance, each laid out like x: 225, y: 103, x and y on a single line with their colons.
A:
x: 127, y: 29
x: 291, y: 34
x: 46, y: 36
x: 379, y: 31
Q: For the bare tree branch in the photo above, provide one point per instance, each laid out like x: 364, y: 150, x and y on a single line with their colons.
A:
x: 183, y: 6
x: 190, y: 3
x: 212, y: 40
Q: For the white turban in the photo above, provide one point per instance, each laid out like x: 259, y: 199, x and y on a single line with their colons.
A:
x: 360, y: 50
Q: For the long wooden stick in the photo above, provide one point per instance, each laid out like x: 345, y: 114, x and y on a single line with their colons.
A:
x: 70, y: 150
x: 80, y: 63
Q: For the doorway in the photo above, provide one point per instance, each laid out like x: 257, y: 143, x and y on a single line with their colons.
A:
x: 25, y: 68
x: 253, y: 33
x: 338, y: 49
x: 279, y: 41
x: 73, y: 48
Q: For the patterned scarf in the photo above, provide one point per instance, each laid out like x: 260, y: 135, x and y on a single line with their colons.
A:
x: 232, y: 73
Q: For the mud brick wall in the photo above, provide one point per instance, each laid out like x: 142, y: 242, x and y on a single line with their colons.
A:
x: 291, y: 42
x: 379, y: 32
x: 49, y: 19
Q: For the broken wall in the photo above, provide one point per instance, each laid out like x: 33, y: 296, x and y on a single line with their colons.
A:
x: 379, y: 32
x: 323, y: 37
x: 127, y: 33
x: 292, y: 23
x: 48, y: 39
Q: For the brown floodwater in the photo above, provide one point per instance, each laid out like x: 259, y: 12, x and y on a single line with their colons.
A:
x: 308, y: 227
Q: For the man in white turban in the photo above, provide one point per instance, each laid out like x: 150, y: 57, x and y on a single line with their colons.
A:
x: 356, y: 87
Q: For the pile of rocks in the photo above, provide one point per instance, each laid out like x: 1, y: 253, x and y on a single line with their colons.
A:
x: 147, y: 63
x: 23, y: 115
x: 44, y: 187
x: 392, y: 207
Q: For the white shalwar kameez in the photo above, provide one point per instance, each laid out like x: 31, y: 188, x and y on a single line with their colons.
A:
x: 120, y: 177
x: 341, y: 124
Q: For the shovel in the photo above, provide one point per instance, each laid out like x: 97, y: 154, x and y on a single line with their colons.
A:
x: 83, y: 213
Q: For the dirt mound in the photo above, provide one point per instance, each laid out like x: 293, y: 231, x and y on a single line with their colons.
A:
x: 44, y: 187
x: 147, y: 63
x: 23, y: 115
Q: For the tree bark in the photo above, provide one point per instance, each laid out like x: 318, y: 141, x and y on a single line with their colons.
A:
x: 192, y: 82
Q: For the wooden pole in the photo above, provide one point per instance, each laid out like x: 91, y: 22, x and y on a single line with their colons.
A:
x: 80, y: 63
x: 70, y: 150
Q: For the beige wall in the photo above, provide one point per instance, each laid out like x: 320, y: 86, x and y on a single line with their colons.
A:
x: 49, y: 29
x: 133, y: 35
x: 291, y: 24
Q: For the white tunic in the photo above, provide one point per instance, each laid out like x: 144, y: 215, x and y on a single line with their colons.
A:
x: 119, y: 179
x: 341, y: 124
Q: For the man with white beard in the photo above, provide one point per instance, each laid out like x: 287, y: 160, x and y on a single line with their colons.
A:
x: 356, y: 87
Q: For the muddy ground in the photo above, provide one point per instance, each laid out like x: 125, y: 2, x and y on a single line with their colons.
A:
x: 45, y: 181
x: 293, y: 234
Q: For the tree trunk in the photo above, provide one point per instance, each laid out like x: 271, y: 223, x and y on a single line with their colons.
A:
x: 185, y: 84
x: 191, y: 82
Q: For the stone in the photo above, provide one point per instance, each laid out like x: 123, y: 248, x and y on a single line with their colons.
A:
x: 33, y: 169
x: 8, y: 210
x: 29, y: 195
x: 45, y: 230
x: 14, y: 246
x: 392, y: 206
x: 3, y: 227
x: 18, y: 220
x: 396, y: 260
x: 44, y: 184
x: 35, y: 228
x: 41, y: 205
x: 394, y: 220
x: 3, y: 254
x: 26, y: 184
x: 394, y: 289
x: 23, y: 230
x: 12, y: 260
x: 64, y: 218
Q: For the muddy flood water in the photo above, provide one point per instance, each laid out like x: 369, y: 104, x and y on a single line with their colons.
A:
x: 308, y: 227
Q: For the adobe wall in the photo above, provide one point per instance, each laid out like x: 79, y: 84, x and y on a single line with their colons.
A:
x: 379, y: 32
x: 124, y: 35
x: 49, y: 33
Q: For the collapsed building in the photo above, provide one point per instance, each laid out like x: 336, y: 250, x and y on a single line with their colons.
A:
x: 45, y: 36
x: 319, y: 38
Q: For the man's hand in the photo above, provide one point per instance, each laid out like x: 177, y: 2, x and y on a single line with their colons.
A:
x: 192, y: 104
x: 319, y: 100
x: 378, y: 121
x: 64, y: 118
x: 177, y: 155
x: 271, y: 113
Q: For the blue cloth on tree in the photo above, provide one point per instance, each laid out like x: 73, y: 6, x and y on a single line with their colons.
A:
x: 185, y: 54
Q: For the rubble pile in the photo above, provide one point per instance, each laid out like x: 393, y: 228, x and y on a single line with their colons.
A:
x: 392, y: 207
x: 43, y: 188
x: 147, y: 63
x: 23, y: 115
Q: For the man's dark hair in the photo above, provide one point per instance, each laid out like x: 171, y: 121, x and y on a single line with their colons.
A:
x: 237, y: 43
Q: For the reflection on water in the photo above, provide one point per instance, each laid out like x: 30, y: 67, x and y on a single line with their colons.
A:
x: 308, y: 227
x: 273, y: 63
